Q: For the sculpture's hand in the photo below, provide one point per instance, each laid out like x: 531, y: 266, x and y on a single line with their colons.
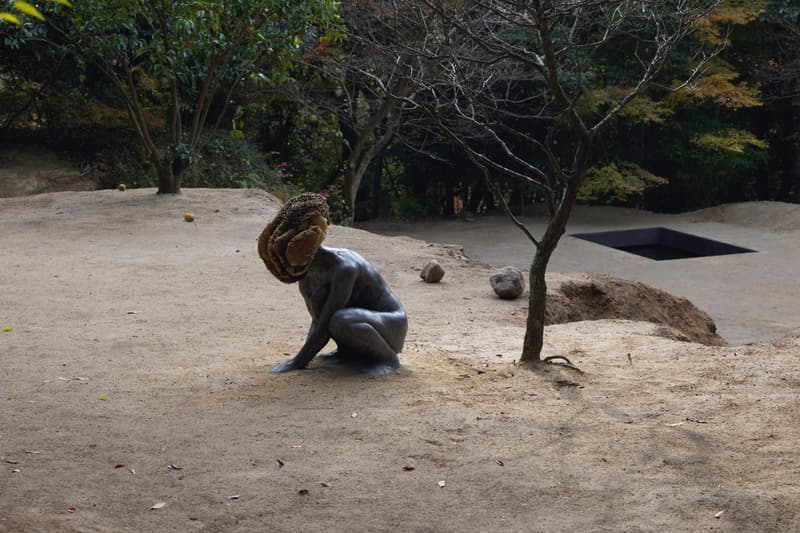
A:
x: 286, y: 366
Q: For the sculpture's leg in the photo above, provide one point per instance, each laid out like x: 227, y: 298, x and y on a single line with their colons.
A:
x: 375, y: 336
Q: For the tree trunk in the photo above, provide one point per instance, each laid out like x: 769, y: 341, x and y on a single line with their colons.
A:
x: 371, y: 141
x: 168, y: 181
x: 360, y: 160
x: 477, y: 194
x: 537, y: 300
x: 448, y: 208
x: 350, y: 184
x: 377, y: 174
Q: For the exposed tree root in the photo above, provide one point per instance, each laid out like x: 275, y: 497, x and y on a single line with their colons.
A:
x: 550, y: 360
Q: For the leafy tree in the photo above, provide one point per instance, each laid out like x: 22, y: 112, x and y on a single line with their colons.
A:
x: 180, y: 60
x: 712, y: 151
x: 21, y: 8
x: 17, y: 70
x: 614, y: 184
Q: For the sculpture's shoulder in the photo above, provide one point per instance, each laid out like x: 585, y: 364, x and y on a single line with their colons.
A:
x: 342, y: 260
x: 341, y: 257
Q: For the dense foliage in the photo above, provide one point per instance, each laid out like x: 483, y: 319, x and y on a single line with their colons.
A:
x: 172, y: 66
x: 290, y: 95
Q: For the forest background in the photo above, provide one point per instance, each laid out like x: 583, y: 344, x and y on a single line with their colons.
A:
x: 295, y: 97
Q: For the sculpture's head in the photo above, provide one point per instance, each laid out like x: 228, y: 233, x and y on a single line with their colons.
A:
x: 289, y: 243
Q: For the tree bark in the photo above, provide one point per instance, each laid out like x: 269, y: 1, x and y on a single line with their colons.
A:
x: 369, y: 144
x: 537, y: 297
x: 537, y: 300
x: 361, y: 158
x: 168, y: 181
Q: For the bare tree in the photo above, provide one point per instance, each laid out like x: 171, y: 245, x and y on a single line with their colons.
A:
x: 503, y: 79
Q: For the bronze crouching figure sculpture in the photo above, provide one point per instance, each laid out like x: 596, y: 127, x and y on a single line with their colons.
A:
x: 347, y: 298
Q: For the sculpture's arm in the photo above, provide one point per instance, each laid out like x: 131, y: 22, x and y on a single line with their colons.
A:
x: 318, y: 336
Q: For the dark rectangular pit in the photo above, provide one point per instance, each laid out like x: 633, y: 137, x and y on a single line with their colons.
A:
x: 661, y: 244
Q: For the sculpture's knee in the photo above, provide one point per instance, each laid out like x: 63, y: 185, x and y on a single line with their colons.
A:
x: 341, y: 324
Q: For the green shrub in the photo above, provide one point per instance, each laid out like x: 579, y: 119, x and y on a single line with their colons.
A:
x: 228, y: 161
x: 225, y: 161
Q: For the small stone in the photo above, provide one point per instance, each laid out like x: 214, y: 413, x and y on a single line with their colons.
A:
x: 508, y: 282
x: 432, y: 272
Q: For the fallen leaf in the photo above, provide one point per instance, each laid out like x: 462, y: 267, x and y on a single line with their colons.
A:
x: 303, y: 492
x: 719, y: 515
x: 279, y: 463
x: 174, y: 467
x: 408, y: 468
x: 234, y: 497
x: 71, y: 509
x: 158, y: 505
x: 103, y: 398
x: 323, y: 484
x: 8, y: 329
x: 500, y: 462
x: 442, y: 483
x: 188, y: 217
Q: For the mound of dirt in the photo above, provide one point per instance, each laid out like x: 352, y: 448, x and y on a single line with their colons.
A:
x: 774, y: 216
x: 577, y: 297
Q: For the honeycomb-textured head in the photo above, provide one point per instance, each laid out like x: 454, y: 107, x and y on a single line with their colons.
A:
x: 289, y: 243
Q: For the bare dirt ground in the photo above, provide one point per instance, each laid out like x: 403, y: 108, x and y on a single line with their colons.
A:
x: 134, y: 357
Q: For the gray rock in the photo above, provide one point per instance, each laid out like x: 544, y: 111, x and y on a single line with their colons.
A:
x: 508, y: 282
x: 432, y: 272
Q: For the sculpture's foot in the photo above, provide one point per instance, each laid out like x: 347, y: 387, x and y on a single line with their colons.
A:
x: 345, y: 356
x: 286, y: 366
x: 380, y: 369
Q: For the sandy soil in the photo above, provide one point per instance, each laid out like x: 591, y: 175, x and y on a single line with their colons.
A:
x: 135, y: 372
